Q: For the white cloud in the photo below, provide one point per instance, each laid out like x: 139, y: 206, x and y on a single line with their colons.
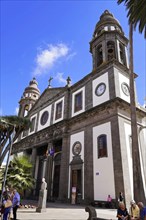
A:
x: 60, y: 79
x: 70, y: 56
x: 46, y: 58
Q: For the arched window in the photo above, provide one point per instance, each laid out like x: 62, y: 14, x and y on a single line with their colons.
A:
x: 26, y: 110
x: 122, y: 54
x: 111, y: 50
x: 99, y: 55
x: 102, y: 146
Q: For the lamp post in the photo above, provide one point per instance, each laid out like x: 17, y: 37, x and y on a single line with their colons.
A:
x: 9, y: 154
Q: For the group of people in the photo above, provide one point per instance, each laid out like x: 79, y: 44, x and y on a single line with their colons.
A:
x: 10, y: 204
x: 136, y: 211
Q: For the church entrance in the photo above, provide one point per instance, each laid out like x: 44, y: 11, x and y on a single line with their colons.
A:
x: 56, y: 181
x: 76, y: 189
x: 77, y: 180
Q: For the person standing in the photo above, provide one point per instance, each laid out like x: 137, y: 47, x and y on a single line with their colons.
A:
x: 7, y: 207
x: 142, y: 211
x: 121, y: 197
x: 16, y: 203
x: 134, y: 211
x: 109, y: 201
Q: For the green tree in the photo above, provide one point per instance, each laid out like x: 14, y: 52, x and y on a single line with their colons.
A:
x: 137, y: 16
x: 10, y: 125
x: 19, y: 174
x: 136, y: 13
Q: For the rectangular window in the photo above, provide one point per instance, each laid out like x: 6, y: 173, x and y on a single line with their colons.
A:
x: 78, y: 102
x: 58, y: 110
x: 32, y: 127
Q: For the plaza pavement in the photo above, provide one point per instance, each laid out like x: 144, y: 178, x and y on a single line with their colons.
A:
x: 62, y: 211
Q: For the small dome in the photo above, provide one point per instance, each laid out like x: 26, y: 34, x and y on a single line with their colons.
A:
x: 107, y: 22
x: 33, y: 85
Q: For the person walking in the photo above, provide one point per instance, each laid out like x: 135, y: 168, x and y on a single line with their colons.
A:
x: 134, y: 211
x: 16, y: 203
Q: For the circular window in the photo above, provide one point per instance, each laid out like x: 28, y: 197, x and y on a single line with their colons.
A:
x: 125, y: 89
x: 44, y: 117
x: 76, y: 149
x: 100, y: 89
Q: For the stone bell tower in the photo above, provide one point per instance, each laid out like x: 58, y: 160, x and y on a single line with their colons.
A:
x: 108, y: 42
x: 30, y: 95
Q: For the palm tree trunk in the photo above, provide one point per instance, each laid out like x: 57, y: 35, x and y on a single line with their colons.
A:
x: 138, y: 187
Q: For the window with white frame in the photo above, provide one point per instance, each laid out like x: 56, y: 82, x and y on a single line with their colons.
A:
x: 58, y: 113
x: 78, y: 102
x: 32, y: 127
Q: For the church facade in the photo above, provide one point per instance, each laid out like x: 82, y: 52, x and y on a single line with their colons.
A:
x: 80, y: 137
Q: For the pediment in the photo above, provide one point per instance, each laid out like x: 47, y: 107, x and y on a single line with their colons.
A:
x: 46, y: 98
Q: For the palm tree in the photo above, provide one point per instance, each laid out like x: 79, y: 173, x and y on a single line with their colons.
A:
x: 136, y: 14
x: 9, y: 124
x: 19, y: 174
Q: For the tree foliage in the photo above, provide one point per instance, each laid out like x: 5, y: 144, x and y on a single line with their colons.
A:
x: 136, y: 13
x: 19, y: 174
x: 8, y: 126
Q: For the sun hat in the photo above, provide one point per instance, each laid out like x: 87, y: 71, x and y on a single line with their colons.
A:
x: 132, y: 202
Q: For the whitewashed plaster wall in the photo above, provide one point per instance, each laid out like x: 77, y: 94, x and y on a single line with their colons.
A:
x: 48, y: 108
x: 103, y: 171
x: 105, y: 96
x: 73, y: 138
x: 119, y: 79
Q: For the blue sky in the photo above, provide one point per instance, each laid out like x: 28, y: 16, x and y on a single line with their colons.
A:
x: 51, y: 38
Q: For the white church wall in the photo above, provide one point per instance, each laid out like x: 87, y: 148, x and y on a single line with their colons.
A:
x: 48, y: 109
x: 105, y: 96
x: 74, y: 138
x: 121, y: 82
x: 126, y: 157
x: 142, y: 150
x: 103, y: 171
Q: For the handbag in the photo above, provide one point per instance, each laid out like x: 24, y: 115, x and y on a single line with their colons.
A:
x: 8, y: 204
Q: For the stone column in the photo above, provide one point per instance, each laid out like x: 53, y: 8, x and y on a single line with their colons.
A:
x: 126, y: 56
x: 33, y: 160
x: 104, y: 51
x: 64, y: 171
x: 118, y: 51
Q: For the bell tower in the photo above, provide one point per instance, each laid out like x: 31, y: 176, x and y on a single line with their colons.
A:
x: 108, y: 42
x: 30, y: 95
